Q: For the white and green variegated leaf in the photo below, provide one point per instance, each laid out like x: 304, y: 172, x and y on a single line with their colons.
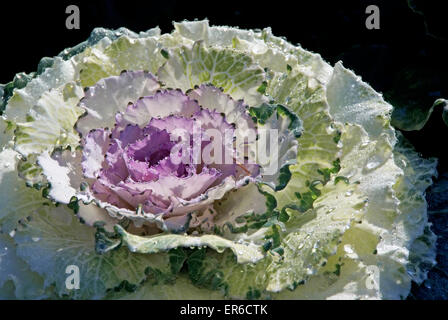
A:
x: 312, y: 62
x: 126, y: 51
x: 385, y: 171
x: 378, y: 230
x: 282, y: 147
x: 23, y: 100
x: 236, y: 211
x: 247, y: 41
x: 353, y: 101
x: 50, y: 123
x: 312, y: 237
x: 318, y: 147
x: 6, y: 134
x: 233, y: 71
x: 267, y: 56
x: 271, y: 52
x: 368, y: 264
x: 353, y: 271
x: 54, y: 239
x: 136, y: 54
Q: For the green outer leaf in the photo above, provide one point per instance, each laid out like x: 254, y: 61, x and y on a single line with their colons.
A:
x: 368, y: 159
x: 54, y: 239
x: 371, y: 164
x: 308, y: 243
x: 17, y: 201
x: 222, y: 276
x: 203, y: 272
x: 23, y: 100
x: 318, y: 150
x: 26, y: 284
x: 181, y: 289
x: 178, y: 256
x: 245, y: 252
x: 410, y: 119
x: 369, y: 266
x: 354, y: 269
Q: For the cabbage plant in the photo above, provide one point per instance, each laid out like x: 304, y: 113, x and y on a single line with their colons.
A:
x: 88, y: 178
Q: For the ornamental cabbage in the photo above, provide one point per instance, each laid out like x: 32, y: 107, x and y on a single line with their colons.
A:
x: 112, y: 162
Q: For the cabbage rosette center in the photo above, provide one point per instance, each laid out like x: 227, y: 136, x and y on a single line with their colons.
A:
x: 166, y: 158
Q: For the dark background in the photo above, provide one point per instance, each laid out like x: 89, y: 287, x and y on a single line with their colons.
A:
x: 406, y: 59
